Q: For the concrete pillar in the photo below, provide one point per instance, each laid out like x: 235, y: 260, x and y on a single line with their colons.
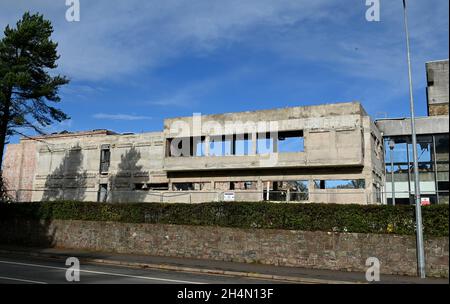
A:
x: 369, y: 191
x: 254, y: 143
x: 207, y: 141
x: 229, y: 138
x: 310, y: 189
x: 274, y: 143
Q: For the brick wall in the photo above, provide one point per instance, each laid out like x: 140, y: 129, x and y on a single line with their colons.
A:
x: 11, y: 163
x: 337, y: 251
x: 19, y: 168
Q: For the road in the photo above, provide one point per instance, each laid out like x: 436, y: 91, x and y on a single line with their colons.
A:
x: 15, y: 269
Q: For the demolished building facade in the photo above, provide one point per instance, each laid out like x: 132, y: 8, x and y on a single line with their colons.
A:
x: 330, y: 153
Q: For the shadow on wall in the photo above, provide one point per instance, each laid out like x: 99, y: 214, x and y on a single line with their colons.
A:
x: 122, y: 183
x: 4, y: 195
x: 67, y: 181
x: 28, y: 233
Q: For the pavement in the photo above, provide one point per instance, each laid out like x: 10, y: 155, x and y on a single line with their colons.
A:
x: 47, y: 265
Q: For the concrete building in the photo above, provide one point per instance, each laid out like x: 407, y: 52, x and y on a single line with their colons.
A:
x: 437, y: 87
x: 432, y: 145
x: 331, y: 153
x: 433, y: 157
x: 324, y: 153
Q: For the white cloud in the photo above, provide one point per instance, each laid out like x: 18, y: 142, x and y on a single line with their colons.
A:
x: 115, y: 39
x: 127, y: 117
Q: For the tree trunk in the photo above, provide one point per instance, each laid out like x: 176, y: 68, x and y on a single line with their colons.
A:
x: 4, y: 127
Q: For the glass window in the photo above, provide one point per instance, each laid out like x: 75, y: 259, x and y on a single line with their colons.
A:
x: 399, y: 151
x: 424, y: 149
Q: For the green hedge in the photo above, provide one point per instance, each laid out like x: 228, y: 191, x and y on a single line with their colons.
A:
x: 310, y: 217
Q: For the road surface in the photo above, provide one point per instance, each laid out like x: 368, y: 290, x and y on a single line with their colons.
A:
x: 15, y: 269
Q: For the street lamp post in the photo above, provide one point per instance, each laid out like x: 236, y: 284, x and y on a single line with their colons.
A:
x: 419, y: 232
x: 391, y: 147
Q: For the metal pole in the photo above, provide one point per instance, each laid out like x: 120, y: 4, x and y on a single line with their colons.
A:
x: 419, y: 232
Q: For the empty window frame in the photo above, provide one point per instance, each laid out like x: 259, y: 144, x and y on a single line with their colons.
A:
x: 298, y: 190
x: 246, y: 185
x: 224, y: 186
x: 158, y: 186
x: 250, y: 185
x: 202, y: 186
x: 181, y: 147
x: 236, y: 185
x: 264, y: 143
x: 295, y: 190
x: 340, y: 184
x: 151, y: 186
x: 102, y: 193
x: 242, y: 144
x: 237, y: 144
x: 199, y: 146
x: 140, y: 186
x: 105, y: 157
x: 290, y: 141
x: 221, y: 145
x: 182, y: 186
x: 443, y: 189
x: 424, y: 153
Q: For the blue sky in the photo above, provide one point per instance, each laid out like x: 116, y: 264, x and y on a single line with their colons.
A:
x: 134, y: 63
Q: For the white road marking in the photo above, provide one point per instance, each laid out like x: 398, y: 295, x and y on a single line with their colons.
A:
x: 22, y: 280
x: 103, y: 273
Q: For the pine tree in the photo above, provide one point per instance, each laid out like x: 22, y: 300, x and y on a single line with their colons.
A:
x: 27, y: 89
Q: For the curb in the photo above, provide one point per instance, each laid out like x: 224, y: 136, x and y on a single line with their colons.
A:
x: 183, y: 269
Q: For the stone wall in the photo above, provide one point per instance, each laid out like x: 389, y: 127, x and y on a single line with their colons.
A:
x: 324, y: 250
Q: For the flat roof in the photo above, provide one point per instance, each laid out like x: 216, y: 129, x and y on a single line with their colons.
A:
x: 424, y: 125
x: 343, y: 104
x: 438, y: 60
x: 73, y: 134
